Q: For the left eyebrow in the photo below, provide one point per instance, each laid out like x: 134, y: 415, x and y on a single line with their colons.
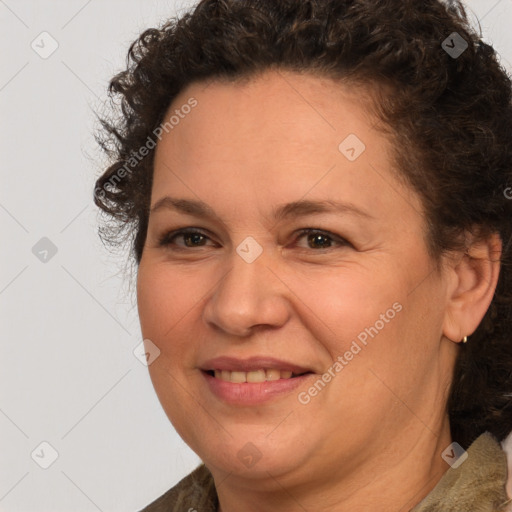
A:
x: 304, y: 207
x: 288, y: 210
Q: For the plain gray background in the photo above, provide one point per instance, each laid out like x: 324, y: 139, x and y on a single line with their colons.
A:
x: 69, y: 377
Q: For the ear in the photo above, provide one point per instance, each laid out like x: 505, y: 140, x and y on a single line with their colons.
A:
x: 472, y: 280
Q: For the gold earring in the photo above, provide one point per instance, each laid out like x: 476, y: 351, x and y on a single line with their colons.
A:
x: 465, y: 339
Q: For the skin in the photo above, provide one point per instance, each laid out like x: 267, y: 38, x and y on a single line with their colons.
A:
x: 374, y: 435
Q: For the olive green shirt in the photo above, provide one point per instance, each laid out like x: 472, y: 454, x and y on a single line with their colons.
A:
x: 477, y: 485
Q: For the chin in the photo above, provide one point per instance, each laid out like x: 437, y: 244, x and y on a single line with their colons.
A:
x: 250, y: 457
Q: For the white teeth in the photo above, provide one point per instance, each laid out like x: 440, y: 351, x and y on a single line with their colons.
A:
x: 254, y: 376
x: 273, y: 374
x: 236, y: 376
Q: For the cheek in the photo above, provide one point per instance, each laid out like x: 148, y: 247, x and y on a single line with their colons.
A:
x: 342, y: 304
x: 163, y: 301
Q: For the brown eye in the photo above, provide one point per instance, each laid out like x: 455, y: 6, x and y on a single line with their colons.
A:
x: 191, y: 237
x: 318, y: 239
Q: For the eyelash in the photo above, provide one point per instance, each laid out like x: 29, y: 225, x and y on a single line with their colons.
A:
x: 167, y: 239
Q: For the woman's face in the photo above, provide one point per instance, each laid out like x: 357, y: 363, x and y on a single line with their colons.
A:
x: 356, y: 301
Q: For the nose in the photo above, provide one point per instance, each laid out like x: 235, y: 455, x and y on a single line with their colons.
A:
x: 248, y: 296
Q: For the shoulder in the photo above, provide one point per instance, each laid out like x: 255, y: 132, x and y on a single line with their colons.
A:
x: 478, y: 483
x: 489, y: 464
x: 193, y: 493
x: 507, y: 448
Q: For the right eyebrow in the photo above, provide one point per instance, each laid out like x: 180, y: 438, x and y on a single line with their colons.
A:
x: 188, y: 206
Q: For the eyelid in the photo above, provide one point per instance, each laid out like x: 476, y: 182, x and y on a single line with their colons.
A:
x: 336, y: 238
x: 165, y: 239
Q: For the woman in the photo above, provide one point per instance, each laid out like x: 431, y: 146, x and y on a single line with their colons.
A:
x: 318, y: 193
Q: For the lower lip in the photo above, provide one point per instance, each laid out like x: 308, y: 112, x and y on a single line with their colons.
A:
x: 251, y: 393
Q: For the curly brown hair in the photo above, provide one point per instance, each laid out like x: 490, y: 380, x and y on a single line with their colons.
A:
x: 450, y: 117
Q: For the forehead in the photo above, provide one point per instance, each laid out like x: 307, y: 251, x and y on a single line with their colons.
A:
x: 276, y: 117
x: 277, y: 134
x: 276, y: 109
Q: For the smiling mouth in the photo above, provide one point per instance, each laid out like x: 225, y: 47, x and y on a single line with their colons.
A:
x: 261, y: 375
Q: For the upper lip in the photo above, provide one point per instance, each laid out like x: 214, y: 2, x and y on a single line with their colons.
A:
x: 252, y: 364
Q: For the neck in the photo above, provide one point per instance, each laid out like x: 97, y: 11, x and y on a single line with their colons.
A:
x: 388, y: 481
